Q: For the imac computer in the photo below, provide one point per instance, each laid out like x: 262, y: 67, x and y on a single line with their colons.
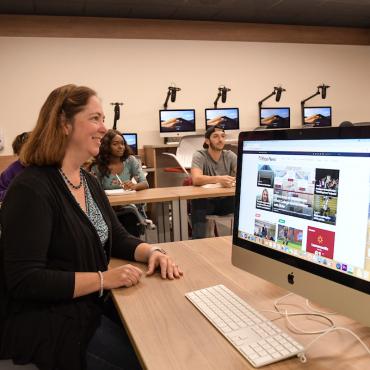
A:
x: 131, y: 140
x: 227, y: 118
x: 316, y: 116
x: 275, y: 117
x: 302, y: 219
x: 176, y: 122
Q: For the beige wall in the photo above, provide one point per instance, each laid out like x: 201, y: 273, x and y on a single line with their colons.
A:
x: 138, y: 73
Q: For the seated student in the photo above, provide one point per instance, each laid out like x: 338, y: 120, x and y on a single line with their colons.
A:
x: 15, y: 168
x: 116, y: 160
x: 212, y: 165
x: 58, y: 234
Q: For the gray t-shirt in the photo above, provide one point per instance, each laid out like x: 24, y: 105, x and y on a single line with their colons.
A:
x: 226, y: 165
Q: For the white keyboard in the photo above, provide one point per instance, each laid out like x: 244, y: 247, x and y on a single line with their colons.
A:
x: 259, y: 340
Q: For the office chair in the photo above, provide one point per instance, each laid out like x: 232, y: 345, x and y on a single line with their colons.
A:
x: 184, y: 153
x: 143, y: 223
x: 346, y: 124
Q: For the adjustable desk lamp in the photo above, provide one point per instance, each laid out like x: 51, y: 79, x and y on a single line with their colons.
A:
x: 222, y: 93
x: 277, y: 91
x: 172, y: 90
x: 116, y: 114
x: 321, y: 89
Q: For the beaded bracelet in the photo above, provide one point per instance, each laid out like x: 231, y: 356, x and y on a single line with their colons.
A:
x: 101, y: 290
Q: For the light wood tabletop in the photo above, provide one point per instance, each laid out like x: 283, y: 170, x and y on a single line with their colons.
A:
x: 169, y: 333
x: 196, y: 192
x: 152, y: 195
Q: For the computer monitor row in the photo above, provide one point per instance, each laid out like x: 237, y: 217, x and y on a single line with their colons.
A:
x: 180, y: 121
x: 177, y: 121
x: 280, y: 117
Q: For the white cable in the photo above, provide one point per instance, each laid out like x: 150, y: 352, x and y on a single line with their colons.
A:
x: 301, y: 331
x: 298, y: 330
x: 308, y: 313
x: 318, y: 311
x: 286, y: 314
x: 339, y: 328
x: 280, y: 299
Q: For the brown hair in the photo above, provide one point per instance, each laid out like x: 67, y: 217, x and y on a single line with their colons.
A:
x: 103, y: 158
x: 48, y: 141
x: 209, y: 132
x: 19, y: 141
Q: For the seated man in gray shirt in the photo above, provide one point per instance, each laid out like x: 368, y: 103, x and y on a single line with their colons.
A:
x: 212, y: 165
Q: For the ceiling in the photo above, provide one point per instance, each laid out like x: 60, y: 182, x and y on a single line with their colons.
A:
x: 348, y: 13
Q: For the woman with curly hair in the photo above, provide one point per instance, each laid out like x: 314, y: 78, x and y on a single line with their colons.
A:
x: 116, y: 160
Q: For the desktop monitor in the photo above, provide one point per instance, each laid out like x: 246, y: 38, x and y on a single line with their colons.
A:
x: 227, y: 118
x: 176, y: 122
x: 316, y: 116
x: 302, y: 216
x: 275, y: 117
x: 131, y: 140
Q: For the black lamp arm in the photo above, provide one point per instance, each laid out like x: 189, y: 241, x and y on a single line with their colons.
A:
x: 217, y: 99
x: 310, y: 97
x: 304, y: 101
x: 165, y: 105
x: 267, y: 97
x: 117, y: 114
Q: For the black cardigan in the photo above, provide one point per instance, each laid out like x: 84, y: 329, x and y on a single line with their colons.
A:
x: 46, y: 238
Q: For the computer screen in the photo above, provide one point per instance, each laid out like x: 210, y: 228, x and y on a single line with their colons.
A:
x: 176, y: 122
x: 131, y: 140
x: 302, y: 218
x: 275, y: 117
x: 227, y: 118
x: 317, y: 116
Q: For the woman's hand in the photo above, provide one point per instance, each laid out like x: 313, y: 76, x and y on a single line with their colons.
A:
x: 128, y: 185
x: 125, y: 275
x: 169, y: 269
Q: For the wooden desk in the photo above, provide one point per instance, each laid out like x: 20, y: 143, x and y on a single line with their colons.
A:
x: 169, y: 333
x: 186, y: 193
x: 155, y: 195
x: 178, y: 196
x: 151, y: 195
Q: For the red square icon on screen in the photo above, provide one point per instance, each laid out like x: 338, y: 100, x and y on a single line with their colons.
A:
x: 320, y: 242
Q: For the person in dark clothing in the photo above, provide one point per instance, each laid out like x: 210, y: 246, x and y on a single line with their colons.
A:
x: 13, y: 169
x: 58, y: 234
